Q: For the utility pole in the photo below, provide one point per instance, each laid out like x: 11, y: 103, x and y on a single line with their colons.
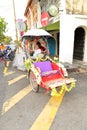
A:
x: 15, y: 20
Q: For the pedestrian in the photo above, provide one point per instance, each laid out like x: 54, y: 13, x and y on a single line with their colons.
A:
x: 2, y: 47
x: 43, y: 49
x: 37, y: 51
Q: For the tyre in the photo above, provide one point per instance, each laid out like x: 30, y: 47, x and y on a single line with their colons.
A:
x: 11, y: 56
x: 33, y: 82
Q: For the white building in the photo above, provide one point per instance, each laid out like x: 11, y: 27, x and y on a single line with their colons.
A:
x: 73, y: 31
x: 69, y: 26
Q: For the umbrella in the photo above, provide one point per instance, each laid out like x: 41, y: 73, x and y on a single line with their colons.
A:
x: 36, y: 33
x: 42, y: 34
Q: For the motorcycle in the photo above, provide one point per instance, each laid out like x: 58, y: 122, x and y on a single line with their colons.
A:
x: 7, y: 54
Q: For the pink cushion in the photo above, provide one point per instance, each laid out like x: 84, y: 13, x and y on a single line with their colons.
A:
x: 49, y: 72
x: 44, y: 66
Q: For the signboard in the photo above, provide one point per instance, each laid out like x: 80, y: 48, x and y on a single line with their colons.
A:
x: 20, y: 25
x: 53, y: 10
x: 45, y: 18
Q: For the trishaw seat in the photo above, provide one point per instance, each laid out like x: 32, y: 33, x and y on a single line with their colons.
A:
x: 44, y: 66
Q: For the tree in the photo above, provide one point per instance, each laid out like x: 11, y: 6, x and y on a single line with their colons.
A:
x: 3, y: 25
x: 7, y: 39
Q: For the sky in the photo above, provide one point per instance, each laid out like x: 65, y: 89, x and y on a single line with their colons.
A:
x: 7, y: 12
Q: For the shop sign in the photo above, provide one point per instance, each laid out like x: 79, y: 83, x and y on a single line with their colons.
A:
x: 53, y: 10
x: 45, y: 19
x: 20, y: 25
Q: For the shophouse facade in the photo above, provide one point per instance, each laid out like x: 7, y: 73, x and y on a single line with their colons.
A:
x: 66, y: 20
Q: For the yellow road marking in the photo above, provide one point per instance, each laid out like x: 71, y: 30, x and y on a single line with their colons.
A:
x: 9, y: 73
x: 15, y: 99
x: 6, y: 68
x: 7, y: 63
x: 45, y: 119
x: 16, y: 79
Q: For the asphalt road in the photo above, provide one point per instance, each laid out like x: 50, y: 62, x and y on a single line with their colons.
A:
x: 22, y: 109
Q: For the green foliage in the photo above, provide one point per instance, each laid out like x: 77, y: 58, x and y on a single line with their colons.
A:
x: 7, y: 39
x: 3, y: 26
x: 26, y: 28
x: 18, y: 43
x: 3, y: 29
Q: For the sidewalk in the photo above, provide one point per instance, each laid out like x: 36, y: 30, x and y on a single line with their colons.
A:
x: 77, y: 66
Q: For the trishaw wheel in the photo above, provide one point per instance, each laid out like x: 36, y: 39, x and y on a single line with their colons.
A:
x: 33, y: 82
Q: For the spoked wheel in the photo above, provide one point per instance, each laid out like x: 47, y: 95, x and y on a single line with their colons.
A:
x: 33, y: 83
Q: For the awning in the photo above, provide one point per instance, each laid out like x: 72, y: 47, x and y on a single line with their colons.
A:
x: 53, y: 26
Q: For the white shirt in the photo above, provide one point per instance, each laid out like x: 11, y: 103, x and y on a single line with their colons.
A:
x: 36, y: 53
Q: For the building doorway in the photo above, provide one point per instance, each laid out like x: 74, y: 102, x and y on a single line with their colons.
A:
x: 58, y: 35
x: 79, y: 40
x: 51, y: 46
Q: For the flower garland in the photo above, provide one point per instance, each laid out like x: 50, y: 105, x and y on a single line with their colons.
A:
x: 36, y: 73
x: 63, y: 88
x: 28, y: 64
x: 30, y: 61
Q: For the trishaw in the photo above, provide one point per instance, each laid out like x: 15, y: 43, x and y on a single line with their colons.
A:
x: 48, y: 73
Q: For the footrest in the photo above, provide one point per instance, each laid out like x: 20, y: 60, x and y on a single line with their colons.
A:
x: 59, y: 82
